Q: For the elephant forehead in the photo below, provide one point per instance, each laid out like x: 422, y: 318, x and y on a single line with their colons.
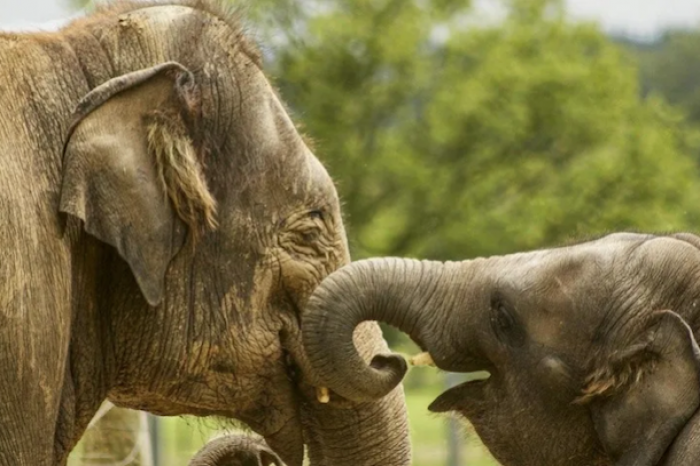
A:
x: 160, y: 23
x: 318, y: 181
x: 555, y: 291
x: 267, y: 121
x: 562, y: 267
x: 154, y: 16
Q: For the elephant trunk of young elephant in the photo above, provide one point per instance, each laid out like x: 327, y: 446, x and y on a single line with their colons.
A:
x: 403, y: 293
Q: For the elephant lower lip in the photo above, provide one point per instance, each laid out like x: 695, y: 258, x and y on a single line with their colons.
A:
x: 469, y: 391
x: 478, y: 376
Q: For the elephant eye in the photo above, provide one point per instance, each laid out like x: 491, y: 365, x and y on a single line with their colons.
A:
x: 316, y: 214
x: 502, y: 318
x: 505, y: 324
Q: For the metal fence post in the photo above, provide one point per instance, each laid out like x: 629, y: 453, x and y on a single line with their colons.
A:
x: 153, y: 429
x: 454, y: 452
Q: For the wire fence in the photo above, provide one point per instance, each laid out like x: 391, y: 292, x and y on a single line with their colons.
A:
x: 122, y: 437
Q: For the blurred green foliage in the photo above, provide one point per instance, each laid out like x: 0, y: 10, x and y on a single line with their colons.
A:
x: 77, y: 4
x: 670, y: 67
x: 450, y: 139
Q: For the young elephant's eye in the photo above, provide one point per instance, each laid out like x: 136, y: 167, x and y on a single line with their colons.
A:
x: 505, y: 324
x: 503, y: 318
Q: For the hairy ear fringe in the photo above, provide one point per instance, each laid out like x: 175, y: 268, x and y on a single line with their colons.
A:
x: 180, y: 172
x: 622, y: 370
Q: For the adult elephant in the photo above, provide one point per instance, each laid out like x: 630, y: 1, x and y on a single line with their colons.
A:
x: 591, y: 348
x: 163, y: 223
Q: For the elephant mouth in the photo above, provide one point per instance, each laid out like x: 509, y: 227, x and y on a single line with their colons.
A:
x: 289, y: 442
x: 466, y: 393
x: 298, y: 367
x: 464, y: 396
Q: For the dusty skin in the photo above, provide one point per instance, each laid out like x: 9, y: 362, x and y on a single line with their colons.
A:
x: 163, y: 225
x: 591, y: 348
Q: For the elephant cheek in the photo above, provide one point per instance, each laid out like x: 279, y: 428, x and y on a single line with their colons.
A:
x: 299, y: 277
x: 556, y: 380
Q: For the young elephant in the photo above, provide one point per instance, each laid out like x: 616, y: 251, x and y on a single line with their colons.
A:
x: 591, y: 348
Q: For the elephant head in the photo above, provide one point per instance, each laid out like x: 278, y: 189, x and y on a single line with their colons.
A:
x: 591, y: 349
x: 174, y: 225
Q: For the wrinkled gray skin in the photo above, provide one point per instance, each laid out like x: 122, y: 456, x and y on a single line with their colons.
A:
x: 591, y: 348
x: 236, y: 450
x: 163, y: 223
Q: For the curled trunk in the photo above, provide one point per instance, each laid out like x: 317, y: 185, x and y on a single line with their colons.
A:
x: 352, y: 434
x: 403, y: 293
x: 236, y: 450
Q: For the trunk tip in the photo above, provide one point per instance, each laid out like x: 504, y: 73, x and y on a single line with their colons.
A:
x: 393, y: 368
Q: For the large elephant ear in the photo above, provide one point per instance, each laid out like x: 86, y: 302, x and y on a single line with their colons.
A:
x: 131, y: 171
x: 643, y: 395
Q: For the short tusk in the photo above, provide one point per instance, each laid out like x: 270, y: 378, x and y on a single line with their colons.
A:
x: 323, y: 395
x: 422, y: 359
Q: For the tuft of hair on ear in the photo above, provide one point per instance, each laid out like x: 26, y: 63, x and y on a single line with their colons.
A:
x: 180, y: 172
x: 618, y: 372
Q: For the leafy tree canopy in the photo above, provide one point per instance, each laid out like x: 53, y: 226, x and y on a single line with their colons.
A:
x: 670, y: 67
x: 452, y: 137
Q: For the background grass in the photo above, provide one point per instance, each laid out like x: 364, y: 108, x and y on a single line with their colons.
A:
x: 429, y: 434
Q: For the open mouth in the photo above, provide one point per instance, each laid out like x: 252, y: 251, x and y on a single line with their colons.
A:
x: 470, y: 390
x: 467, y: 392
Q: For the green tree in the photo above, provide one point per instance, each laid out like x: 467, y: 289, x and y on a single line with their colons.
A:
x: 451, y: 138
x: 78, y: 4
x: 670, y: 68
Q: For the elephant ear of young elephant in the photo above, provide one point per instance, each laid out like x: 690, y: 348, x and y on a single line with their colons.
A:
x: 642, y: 396
x: 686, y: 449
x: 236, y: 450
x: 131, y: 169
